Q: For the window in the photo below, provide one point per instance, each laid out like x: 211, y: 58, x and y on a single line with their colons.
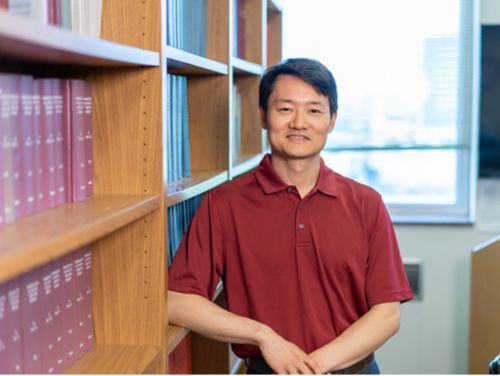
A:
x: 406, y: 72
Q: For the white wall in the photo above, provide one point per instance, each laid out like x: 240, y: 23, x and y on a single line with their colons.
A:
x: 433, y: 338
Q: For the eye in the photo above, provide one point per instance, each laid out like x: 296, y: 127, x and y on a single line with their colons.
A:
x: 315, y: 111
x: 285, y: 109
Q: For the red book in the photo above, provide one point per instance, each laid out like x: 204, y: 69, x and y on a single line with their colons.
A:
x: 55, y: 304
x: 31, y: 311
x: 49, y: 181
x: 28, y: 144
x: 80, y: 302
x: 59, y: 124
x: 89, y: 168
x: 69, y: 320
x: 4, y: 358
x: 3, y: 119
x: 180, y: 360
x: 4, y: 4
x: 87, y: 305
x: 7, y: 130
x: 48, y: 335
x: 14, y: 346
x: 78, y: 161
x: 38, y: 146
x: 16, y: 145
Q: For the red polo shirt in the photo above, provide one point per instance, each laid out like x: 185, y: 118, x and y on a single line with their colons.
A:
x: 308, y: 268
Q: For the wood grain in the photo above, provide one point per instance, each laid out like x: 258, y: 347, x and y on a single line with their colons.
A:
x: 116, y: 359
x: 38, y: 239
x: 484, y: 341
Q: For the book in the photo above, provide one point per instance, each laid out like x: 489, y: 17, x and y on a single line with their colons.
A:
x: 31, y: 314
x: 7, y: 154
x: 26, y: 126
x: 14, y: 345
x: 87, y: 127
x: 59, y: 124
x: 38, y: 135
x: 69, y: 321
x: 4, y: 355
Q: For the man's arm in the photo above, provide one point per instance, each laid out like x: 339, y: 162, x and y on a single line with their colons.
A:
x: 207, y: 318
x: 359, y: 340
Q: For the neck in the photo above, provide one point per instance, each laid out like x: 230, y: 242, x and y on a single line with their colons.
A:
x: 302, y: 173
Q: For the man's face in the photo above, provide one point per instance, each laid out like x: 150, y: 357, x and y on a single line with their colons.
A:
x: 298, y: 119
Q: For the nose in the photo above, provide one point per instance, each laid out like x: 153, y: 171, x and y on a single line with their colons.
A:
x: 299, y: 121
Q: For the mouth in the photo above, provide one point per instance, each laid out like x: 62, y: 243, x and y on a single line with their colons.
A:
x: 297, y: 137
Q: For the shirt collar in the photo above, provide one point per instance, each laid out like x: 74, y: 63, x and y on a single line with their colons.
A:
x: 270, y: 181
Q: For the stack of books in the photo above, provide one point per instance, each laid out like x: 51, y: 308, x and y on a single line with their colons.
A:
x: 46, y: 144
x: 46, y: 316
x: 186, y: 25
x: 179, y: 219
x: 177, y: 145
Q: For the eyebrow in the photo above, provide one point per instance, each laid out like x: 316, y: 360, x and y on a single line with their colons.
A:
x: 282, y: 100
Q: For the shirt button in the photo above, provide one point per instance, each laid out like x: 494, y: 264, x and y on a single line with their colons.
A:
x: 289, y: 189
x: 301, y: 226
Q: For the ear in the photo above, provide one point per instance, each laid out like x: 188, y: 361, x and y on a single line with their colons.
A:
x: 262, y: 118
x: 333, y: 119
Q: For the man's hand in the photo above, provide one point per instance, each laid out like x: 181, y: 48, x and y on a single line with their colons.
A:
x: 283, y: 356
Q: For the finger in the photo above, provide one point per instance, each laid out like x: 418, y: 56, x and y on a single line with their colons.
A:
x: 304, y: 369
x: 313, y: 365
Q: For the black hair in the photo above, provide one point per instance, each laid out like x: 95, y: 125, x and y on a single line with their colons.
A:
x: 308, y: 70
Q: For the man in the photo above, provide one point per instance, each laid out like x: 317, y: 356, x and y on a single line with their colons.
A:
x: 309, y: 260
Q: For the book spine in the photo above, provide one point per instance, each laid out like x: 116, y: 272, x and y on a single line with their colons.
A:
x: 48, y: 145
x: 31, y: 321
x: 79, y: 269
x: 56, y: 306
x: 7, y: 131
x: 16, y: 145
x: 78, y: 167
x: 13, y: 320
x: 87, y: 123
x: 59, y: 114
x: 4, y: 350
x: 38, y: 134
x: 87, y: 279
x: 68, y: 309
x: 28, y: 145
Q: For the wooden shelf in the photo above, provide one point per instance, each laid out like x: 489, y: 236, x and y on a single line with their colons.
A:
x: 24, y: 39
x: 241, y: 66
x: 182, y: 62
x: 45, y: 236
x: 199, y: 182
x: 245, y: 164
x: 116, y: 359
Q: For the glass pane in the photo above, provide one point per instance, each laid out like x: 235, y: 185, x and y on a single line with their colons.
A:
x: 402, y: 176
x: 395, y: 62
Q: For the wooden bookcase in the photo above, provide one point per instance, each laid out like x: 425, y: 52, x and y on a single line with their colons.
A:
x: 126, y: 219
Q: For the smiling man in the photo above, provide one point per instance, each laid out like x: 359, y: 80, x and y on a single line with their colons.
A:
x: 309, y: 259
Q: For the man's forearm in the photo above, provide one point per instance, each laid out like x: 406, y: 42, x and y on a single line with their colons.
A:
x: 361, y: 339
x: 207, y: 318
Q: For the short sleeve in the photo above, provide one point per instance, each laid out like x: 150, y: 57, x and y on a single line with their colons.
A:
x: 198, y: 264
x: 386, y: 279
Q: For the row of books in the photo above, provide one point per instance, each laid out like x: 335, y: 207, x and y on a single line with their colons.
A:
x: 236, y: 150
x: 46, y: 316
x: 186, y: 25
x: 46, y: 137
x: 179, y: 219
x: 80, y: 16
x: 177, y: 140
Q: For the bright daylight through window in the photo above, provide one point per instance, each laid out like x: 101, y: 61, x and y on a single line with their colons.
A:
x: 406, y: 76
